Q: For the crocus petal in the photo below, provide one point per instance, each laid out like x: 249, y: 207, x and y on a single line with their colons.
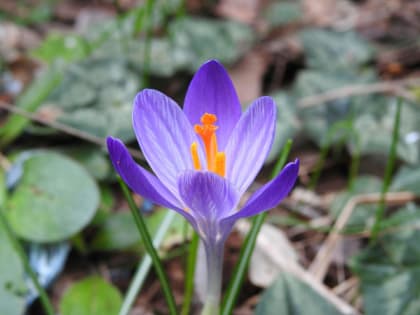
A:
x: 141, y: 181
x: 270, y: 194
x: 250, y: 143
x: 212, y: 91
x: 164, y: 134
x: 137, y: 178
x: 209, y: 197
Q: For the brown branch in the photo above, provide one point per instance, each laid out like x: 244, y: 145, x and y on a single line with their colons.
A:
x: 284, y: 263
x: 393, y: 87
x: 320, y: 264
x: 62, y: 127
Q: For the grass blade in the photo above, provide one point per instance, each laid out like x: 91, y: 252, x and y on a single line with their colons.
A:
x: 189, y: 278
x: 145, y: 236
x: 144, y: 266
x: 388, y: 173
x: 30, y: 100
x: 237, y: 279
x: 45, y: 301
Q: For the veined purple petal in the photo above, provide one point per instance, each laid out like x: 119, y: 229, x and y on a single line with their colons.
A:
x: 250, y: 142
x: 140, y: 180
x: 270, y: 194
x: 164, y: 134
x: 212, y: 91
x: 209, y: 197
x: 137, y: 178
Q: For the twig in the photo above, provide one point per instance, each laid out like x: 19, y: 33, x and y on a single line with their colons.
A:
x: 320, y: 264
x: 346, y: 285
x: 62, y: 127
x: 394, y: 87
x: 4, y: 162
x: 285, y: 264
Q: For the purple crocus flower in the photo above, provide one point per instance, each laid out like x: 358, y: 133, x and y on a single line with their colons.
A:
x: 204, y: 158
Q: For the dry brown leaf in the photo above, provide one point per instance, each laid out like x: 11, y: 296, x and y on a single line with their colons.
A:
x: 244, y: 11
x: 247, y: 76
x: 285, y: 264
x: 14, y: 39
x: 262, y: 270
x: 340, y: 13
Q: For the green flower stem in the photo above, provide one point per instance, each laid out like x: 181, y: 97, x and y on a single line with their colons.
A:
x: 237, y: 279
x: 189, y: 278
x: 145, y: 236
x: 282, y: 159
x: 45, y: 301
x: 211, y: 308
x: 214, y: 257
x: 247, y: 248
x: 144, y: 267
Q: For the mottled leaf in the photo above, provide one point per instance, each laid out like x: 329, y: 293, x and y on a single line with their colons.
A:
x: 54, y: 199
x: 12, y: 287
x: 390, y: 272
x: 290, y: 296
x: 91, y: 296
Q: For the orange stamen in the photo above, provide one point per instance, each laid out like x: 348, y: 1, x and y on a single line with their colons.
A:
x: 220, y: 164
x: 194, y: 155
x: 207, y: 132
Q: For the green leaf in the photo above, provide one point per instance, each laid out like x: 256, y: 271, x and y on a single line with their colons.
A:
x: 405, y: 218
x: 12, y: 289
x: 407, y: 179
x: 70, y: 47
x: 282, y: 13
x: 318, y: 120
x: 91, y: 296
x: 287, y: 124
x: 289, y: 296
x: 30, y: 100
x: 119, y: 231
x: 92, y: 158
x: 189, y: 42
x: 356, y: 120
x: 379, y: 115
x: 330, y: 50
x: 196, y: 40
x: 107, y: 201
x: 390, y: 273
x: 54, y: 199
x: 96, y: 97
x: 362, y: 214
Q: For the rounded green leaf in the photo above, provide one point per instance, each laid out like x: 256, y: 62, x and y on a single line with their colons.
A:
x: 91, y: 296
x: 290, y: 296
x: 12, y: 289
x: 54, y: 199
x: 118, y: 231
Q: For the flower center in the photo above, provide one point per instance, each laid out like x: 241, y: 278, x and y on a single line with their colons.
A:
x: 207, y: 131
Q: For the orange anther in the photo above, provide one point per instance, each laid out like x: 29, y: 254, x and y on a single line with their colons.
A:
x: 220, y: 164
x: 207, y: 132
x: 208, y: 119
x: 194, y: 155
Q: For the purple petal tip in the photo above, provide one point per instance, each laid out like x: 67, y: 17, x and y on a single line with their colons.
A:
x: 212, y: 63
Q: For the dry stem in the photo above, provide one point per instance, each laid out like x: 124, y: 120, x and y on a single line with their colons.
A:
x: 62, y: 127
x: 321, y: 263
x: 395, y: 87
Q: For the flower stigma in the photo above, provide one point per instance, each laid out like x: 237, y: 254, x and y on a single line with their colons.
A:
x: 216, y: 161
